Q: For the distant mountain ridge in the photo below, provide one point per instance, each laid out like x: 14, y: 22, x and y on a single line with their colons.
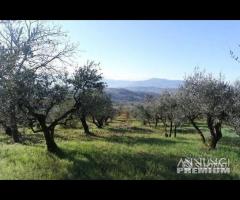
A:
x: 124, y: 95
x: 150, y: 83
x: 135, y: 91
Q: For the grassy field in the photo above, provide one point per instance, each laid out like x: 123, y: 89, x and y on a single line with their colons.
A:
x: 123, y: 150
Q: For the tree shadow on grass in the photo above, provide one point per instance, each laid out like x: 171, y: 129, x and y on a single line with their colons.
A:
x: 230, y: 141
x: 138, y: 140
x: 133, y: 129
x: 96, y: 165
x: 60, y: 136
x: 81, y: 137
x: 189, y: 130
x: 139, y: 165
x: 26, y: 139
x: 31, y: 139
x: 186, y: 131
x: 199, y: 124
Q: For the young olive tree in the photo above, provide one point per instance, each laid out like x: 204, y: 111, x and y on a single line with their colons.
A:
x: 179, y: 117
x: 145, y: 111
x: 86, y: 81
x: 169, y: 112
x: 102, y: 109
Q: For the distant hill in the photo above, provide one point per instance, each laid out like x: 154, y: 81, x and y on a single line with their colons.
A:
x: 124, y: 95
x: 135, y: 91
x: 150, y: 89
x: 155, y: 85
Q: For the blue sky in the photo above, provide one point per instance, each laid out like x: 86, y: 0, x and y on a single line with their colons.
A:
x: 138, y: 50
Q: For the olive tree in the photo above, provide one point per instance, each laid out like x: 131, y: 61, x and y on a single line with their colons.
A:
x: 40, y: 97
x: 51, y: 99
x: 86, y: 81
x: 145, y: 111
x: 179, y: 117
x: 214, y: 98
x: 102, y: 109
x: 190, y: 103
x: 142, y: 113
x: 4, y: 115
x: 169, y: 112
x: 28, y: 45
x: 234, y: 112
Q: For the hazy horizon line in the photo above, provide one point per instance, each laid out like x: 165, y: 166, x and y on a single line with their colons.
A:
x: 118, y: 79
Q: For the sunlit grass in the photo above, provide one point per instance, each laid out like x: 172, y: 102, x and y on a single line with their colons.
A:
x: 122, y: 150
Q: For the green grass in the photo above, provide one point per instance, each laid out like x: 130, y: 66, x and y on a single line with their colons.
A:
x: 123, y: 150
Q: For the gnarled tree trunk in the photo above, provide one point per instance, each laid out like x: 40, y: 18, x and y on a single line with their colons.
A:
x: 156, y: 122
x: 13, y: 124
x: 98, y: 122
x: 49, y: 136
x: 198, y: 130
x: 6, y: 128
x: 215, y: 131
x: 170, y: 131
x: 165, y: 128
x: 149, y: 123
x: 8, y: 131
x: 175, y: 131
x: 85, y: 125
x: 106, y: 120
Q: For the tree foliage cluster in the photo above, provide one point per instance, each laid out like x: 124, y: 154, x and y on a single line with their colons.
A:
x: 35, y: 89
x: 201, y: 97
